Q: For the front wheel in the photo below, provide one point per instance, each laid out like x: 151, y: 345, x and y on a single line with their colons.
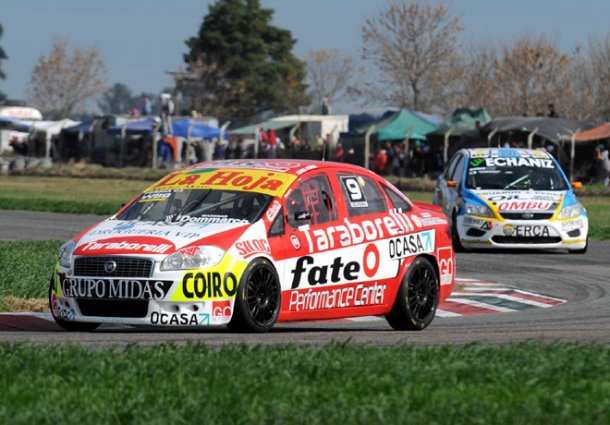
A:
x: 257, y: 304
x: 417, y: 299
x: 66, y: 324
x: 455, y: 236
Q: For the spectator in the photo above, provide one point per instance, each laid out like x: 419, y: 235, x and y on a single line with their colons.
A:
x: 381, y: 161
x: 551, y: 111
x: 272, y: 138
x: 146, y: 106
x: 327, y: 109
x: 398, y: 161
x: 339, y: 153
x: 603, y: 164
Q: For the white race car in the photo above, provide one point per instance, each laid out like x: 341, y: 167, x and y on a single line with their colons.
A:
x: 511, y: 198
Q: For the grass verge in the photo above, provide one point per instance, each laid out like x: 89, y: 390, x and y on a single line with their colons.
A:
x: 26, y: 269
x: 339, y: 383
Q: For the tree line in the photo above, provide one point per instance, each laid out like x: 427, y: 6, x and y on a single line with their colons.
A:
x: 240, y: 67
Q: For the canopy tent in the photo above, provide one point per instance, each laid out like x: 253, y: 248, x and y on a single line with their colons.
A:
x: 462, y: 120
x: 594, y: 134
x: 250, y: 130
x: 551, y: 129
x: 84, y: 127
x: 16, y: 124
x: 397, y: 125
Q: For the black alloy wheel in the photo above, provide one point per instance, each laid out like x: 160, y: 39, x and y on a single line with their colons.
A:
x: 417, y: 299
x: 258, y: 298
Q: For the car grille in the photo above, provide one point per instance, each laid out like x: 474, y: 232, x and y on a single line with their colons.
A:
x: 526, y: 216
x: 525, y: 240
x: 113, y: 308
x: 125, y: 267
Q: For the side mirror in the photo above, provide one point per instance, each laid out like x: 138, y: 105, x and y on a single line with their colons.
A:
x: 451, y: 183
x: 302, y: 216
x: 577, y: 185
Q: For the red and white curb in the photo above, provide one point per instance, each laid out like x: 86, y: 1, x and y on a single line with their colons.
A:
x: 477, y: 297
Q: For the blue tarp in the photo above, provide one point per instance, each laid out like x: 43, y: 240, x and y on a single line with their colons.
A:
x: 180, y: 128
x: 16, y: 124
x: 85, y: 127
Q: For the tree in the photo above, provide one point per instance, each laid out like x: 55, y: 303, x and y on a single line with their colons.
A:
x: 599, y: 62
x: 329, y: 74
x: 2, y: 57
x: 413, y: 47
x: 117, y: 100
x: 478, y: 86
x: 63, y: 82
x: 237, y: 39
x: 530, y: 73
x: 207, y: 89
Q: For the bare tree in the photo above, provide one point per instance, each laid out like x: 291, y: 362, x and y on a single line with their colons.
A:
x: 478, y: 82
x: 599, y: 61
x: 530, y: 73
x: 207, y: 90
x: 63, y: 82
x: 413, y: 47
x: 329, y: 73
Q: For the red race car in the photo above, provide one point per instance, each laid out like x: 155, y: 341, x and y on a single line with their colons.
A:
x: 249, y: 243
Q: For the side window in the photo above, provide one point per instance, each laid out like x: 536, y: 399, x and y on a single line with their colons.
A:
x: 452, y: 165
x: 459, y: 170
x: 398, y: 202
x: 311, y: 203
x: 277, y: 227
x: 362, y: 195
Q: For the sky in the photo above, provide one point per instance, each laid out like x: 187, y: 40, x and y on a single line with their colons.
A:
x: 141, y: 40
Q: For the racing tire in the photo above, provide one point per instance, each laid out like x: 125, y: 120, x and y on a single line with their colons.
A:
x: 455, y: 237
x: 67, y: 325
x: 258, y: 299
x: 417, y: 298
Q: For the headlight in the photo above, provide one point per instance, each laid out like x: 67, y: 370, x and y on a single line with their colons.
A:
x: 571, y: 211
x: 65, y: 253
x: 478, y: 210
x: 193, y: 257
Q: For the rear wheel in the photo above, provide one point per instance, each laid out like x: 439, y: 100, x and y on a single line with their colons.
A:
x: 417, y: 299
x: 66, y: 324
x: 257, y: 304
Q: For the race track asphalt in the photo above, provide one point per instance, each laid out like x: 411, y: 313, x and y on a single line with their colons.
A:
x: 582, y: 280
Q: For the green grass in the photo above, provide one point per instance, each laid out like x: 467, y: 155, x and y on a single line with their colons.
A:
x: 339, y: 383
x: 62, y: 194
x: 26, y: 268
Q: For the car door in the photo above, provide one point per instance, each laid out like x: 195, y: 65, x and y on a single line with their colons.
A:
x: 449, y: 194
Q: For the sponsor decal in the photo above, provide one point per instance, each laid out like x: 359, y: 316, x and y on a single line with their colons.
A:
x: 229, y: 179
x: 252, y: 247
x: 138, y: 245
x: 184, y: 319
x: 572, y: 224
x: 155, y: 196
x: 417, y: 221
x: 353, y: 188
x: 507, y: 153
x: 221, y: 308
x: 518, y: 162
x: 209, y: 219
x: 524, y: 205
x: 354, y: 295
x: 410, y: 245
x: 144, y: 229
x: 305, y: 169
x: 350, y: 233
x: 209, y: 285
x: 446, y: 265
x: 295, y: 241
x: 511, y: 196
x: 256, y: 165
x: 74, y: 287
x: 274, y: 208
x: 336, y: 271
x: 527, y: 231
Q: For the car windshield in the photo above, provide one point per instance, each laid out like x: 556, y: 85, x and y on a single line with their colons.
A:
x: 198, y: 206
x: 488, y: 173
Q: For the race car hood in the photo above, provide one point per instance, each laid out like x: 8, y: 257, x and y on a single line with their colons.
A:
x: 521, y: 200
x: 146, y: 237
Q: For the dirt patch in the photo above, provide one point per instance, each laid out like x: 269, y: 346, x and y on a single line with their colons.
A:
x: 36, y: 305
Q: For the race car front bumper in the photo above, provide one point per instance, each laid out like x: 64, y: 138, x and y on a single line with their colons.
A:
x: 481, y: 232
